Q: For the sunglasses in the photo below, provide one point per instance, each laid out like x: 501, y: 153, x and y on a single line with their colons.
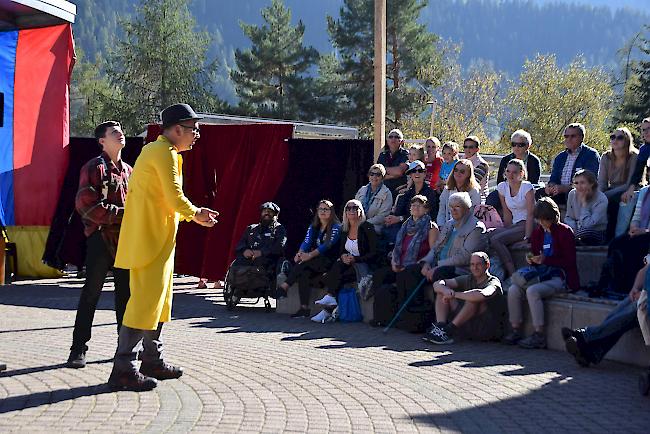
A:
x: 458, y: 170
x: 470, y: 146
x: 417, y: 171
x: 374, y: 174
x: 352, y: 208
x: 194, y: 129
x: 393, y: 137
x: 322, y: 209
x: 617, y: 137
x: 566, y: 136
x: 519, y: 145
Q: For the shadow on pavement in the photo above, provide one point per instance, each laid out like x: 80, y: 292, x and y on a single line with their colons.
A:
x: 32, y: 400
x: 26, y: 371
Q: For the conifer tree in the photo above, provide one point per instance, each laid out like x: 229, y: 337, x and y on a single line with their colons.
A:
x: 272, y: 77
x: 636, y: 99
x: 414, y: 63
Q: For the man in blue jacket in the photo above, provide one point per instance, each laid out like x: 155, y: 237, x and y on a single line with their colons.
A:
x: 576, y: 156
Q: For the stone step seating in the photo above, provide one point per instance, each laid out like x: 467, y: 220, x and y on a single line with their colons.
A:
x: 563, y: 310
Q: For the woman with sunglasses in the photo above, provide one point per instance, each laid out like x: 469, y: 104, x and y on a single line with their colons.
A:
x: 376, y: 199
x: 316, y: 254
x: 615, y: 172
x: 517, y: 198
x: 461, y: 179
x: 358, y: 244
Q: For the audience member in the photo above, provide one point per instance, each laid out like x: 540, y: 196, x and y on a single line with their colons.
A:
x: 316, y: 254
x: 472, y: 146
x: 464, y: 298
x: 576, y: 156
x: 517, y: 198
x: 639, y: 176
x: 394, y: 158
x: 586, y: 211
x: 449, y: 159
x: 462, y: 179
x: 433, y: 162
x: 553, y: 267
x: 375, y: 197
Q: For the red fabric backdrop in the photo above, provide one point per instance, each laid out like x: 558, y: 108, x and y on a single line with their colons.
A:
x: 248, y: 164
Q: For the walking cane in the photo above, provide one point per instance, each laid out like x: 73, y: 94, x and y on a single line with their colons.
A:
x: 405, y: 304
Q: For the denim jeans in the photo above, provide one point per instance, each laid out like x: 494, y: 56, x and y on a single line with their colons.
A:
x: 601, y: 338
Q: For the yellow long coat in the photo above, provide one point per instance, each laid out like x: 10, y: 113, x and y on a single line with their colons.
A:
x: 154, y: 205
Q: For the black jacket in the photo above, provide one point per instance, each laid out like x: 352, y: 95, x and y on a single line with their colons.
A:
x: 368, y: 244
x: 403, y: 201
x: 270, y: 240
x: 533, y: 167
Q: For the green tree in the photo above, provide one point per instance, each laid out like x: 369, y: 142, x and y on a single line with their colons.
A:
x: 160, y: 61
x: 414, y: 62
x: 271, y: 78
x: 547, y: 97
x: 635, y: 99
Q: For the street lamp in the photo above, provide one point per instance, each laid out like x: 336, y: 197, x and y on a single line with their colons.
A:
x: 433, y: 110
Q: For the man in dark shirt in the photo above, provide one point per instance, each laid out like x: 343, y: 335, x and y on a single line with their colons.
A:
x: 103, y: 184
x: 395, y: 158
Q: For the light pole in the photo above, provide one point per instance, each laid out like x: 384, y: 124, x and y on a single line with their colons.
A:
x: 433, y: 111
x: 380, y: 76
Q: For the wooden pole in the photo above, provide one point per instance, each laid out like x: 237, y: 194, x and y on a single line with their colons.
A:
x: 380, y: 76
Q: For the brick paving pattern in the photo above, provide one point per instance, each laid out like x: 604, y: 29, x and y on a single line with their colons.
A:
x: 251, y: 371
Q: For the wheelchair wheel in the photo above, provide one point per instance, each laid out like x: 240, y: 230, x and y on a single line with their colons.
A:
x: 229, y: 296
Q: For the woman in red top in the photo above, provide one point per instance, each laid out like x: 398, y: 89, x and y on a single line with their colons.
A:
x: 553, y: 255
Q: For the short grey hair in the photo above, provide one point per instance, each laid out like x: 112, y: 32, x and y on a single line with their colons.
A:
x: 461, y: 197
x: 379, y: 167
x: 578, y: 126
x: 522, y: 134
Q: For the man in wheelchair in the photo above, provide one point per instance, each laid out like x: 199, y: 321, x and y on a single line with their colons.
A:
x: 258, y: 255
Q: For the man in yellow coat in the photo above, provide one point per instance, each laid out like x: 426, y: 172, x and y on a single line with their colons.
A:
x: 155, y: 204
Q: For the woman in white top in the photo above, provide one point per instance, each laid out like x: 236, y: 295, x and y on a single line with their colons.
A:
x: 517, y: 198
x: 461, y: 179
x: 586, y: 210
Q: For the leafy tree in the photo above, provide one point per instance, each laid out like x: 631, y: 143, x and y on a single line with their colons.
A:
x: 271, y: 78
x: 413, y: 60
x: 160, y: 61
x: 547, y: 97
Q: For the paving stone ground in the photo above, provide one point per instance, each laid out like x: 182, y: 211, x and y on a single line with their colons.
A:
x: 252, y: 371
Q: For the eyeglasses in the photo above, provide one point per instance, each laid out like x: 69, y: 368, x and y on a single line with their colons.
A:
x: 194, y: 129
x: 470, y: 146
x: 617, y: 137
x: 374, y: 173
x: 417, y: 171
x: 322, y: 209
x: 459, y: 170
x: 566, y: 136
x: 352, y: 208
x: 519, y: 145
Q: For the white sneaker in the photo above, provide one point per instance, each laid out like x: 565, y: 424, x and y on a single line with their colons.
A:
x: 321, y: 316
x: 328, y: 300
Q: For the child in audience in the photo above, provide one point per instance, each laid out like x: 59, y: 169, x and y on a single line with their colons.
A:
x: 416, y: 152
x: 449, y: 158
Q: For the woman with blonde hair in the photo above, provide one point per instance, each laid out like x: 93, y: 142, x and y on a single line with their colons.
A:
x: 358, y: 244
x: 615, y: 172
x: 586, y: 211
x: 461, y: 179
x: 375, y: 197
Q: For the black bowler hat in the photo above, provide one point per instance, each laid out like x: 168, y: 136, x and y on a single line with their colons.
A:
x: 177, y: 113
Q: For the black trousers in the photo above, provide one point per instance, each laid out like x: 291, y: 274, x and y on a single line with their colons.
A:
x: 624, y: 259
x: 307, y: 274
x: 98, y: 261
x: 338, y: 275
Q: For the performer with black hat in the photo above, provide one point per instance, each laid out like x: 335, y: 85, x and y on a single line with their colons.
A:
x: 155, y: 204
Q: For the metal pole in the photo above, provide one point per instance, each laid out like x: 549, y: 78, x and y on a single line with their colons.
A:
x: 433, y: 111
x: 405, y: 304
x: 380, y: 76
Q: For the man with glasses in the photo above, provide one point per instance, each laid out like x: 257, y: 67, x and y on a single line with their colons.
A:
x: 395, y: 159
x: 576, y: 156
x: 103, y: 184
x: 639, y: 173
x: 521, y: 141
x: 154, y: 206
x: 472, y: 146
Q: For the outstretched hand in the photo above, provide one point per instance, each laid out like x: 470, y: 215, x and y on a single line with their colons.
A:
x: 206, y: 217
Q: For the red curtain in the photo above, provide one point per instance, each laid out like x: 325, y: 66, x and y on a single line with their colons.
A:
x: 248, y: 164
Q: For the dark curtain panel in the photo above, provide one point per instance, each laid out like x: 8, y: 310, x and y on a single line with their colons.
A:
x: 66, y: 243
x: 320, y: 169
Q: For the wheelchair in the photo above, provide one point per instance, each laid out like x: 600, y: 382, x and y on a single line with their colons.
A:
x: 250, y: 282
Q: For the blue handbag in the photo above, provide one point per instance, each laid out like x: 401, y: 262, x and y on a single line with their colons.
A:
x: 349, y: 306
